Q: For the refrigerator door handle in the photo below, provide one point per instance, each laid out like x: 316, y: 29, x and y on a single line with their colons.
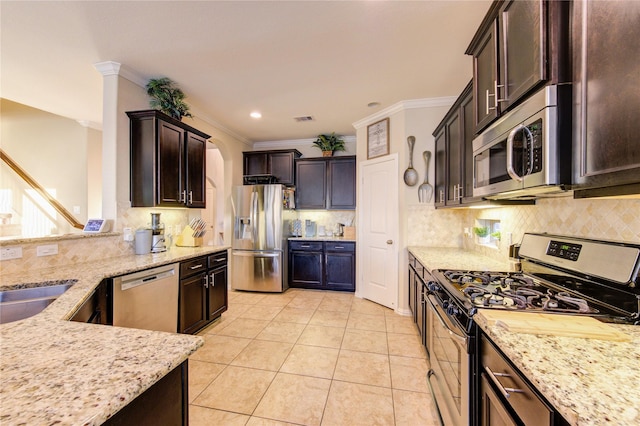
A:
x: 254, y: 215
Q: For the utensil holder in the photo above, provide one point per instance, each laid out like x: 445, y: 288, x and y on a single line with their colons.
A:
x: 186, y: 238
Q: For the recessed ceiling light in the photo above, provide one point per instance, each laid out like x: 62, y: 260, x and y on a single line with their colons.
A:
x: 255, y: 114
x: 373, y: 104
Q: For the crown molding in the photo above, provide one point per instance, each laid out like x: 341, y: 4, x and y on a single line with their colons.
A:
x: 90, y: 124
x: 446, y: 101
x: 293, y: 143
x: 107, y: 68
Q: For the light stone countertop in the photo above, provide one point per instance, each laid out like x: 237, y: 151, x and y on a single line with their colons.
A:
x: 56, y: 371
x: 589, y: 381
x: 456, y: 258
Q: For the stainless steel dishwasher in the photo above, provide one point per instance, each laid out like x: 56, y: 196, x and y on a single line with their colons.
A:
x: 147, y: 299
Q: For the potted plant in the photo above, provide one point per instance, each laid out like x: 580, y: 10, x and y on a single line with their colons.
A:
x: 482, y: 232
x: 329, y: 143
x: 167, y: 98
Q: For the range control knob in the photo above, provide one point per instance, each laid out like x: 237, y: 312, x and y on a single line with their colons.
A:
x: 445, y: 304
x: 433, y: 286
x: 452, y: 310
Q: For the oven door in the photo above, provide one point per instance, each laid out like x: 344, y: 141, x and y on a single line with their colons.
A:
x: 449, y: 377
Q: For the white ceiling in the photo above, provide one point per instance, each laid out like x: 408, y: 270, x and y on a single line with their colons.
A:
x: 326, y: 59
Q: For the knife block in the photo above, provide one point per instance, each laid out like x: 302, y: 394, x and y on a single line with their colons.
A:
x: 186, y: 238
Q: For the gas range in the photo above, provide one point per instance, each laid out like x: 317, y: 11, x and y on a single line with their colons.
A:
x: 565, y: 275
x: 560, y: 275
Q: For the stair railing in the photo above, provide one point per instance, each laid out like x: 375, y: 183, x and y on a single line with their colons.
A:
x: 66, y: 214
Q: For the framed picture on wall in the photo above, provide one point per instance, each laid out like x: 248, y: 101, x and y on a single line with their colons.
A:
x: 378, y: 139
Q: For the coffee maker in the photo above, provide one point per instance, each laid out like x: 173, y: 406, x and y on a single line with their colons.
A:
x: 157, y: 234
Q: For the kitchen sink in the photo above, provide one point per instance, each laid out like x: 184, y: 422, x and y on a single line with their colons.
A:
x: 26, y: 302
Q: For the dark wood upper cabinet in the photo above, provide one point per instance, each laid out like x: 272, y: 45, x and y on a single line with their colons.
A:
x: 168, y: 162
x: 454, y: 153
x: 326, y: 183
x: 606, y: 61
x: 440, y: 166
x: 342, y: 183
x: 485, y: 76
x: 520, y: 45
x: 311, y: 184
x: 278, y: 163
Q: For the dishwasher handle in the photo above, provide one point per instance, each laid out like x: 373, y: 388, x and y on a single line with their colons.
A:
x: 153, y: 276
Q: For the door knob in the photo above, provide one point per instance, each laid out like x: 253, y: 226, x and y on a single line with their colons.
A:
x: 389, y: 241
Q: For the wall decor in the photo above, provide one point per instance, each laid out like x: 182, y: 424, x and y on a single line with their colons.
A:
x: 378, y: 139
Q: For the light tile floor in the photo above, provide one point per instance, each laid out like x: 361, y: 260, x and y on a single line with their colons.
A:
x: 309, y: 358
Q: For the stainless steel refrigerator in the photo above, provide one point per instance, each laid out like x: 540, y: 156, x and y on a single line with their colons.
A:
x: 259, y: 242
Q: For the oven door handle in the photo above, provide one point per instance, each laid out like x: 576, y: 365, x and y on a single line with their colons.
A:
x: 433, y: 394
x: 452, y: 329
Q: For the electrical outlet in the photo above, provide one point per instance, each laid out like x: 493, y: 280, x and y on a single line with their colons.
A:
x: 9, y: 253
x: 48, y: 250
x: 127, y: 234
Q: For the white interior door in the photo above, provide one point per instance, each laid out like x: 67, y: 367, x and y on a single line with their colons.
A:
x: 378, y: 236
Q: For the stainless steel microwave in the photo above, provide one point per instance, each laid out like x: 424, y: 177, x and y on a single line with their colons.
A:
x: 527, y: 152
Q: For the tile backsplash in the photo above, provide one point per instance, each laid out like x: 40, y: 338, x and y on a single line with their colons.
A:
x: 611, y: 219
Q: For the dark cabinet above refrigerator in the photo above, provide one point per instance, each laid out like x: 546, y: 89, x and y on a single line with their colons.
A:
x: 266, y: 167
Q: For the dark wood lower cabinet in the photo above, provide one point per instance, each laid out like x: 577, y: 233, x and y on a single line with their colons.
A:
x: 322, y: 265
x: 493, y: 412
x: 340, y: 266
x: 203, y: 291
x: 164, y: 403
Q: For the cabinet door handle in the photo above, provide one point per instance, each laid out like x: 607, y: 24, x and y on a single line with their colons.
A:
x: 213, y: 280
x: 183, y: 196
x: 190, y: 197
x: 497, y: 97
x: 506, y: 392
x: 206, y: 281
x: 487, y: 96
x: 194, y: 267
x: 389, y: 242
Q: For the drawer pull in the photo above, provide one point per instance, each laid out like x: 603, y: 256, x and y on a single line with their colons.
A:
x: 338, y: 247
x: 305, y: 246
x: 506, y: 392
x: 196, y: 267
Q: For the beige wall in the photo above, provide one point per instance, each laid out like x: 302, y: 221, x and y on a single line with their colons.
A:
x: 55, y: 151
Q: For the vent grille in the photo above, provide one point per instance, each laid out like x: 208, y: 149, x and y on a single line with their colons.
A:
x: 303, y: 118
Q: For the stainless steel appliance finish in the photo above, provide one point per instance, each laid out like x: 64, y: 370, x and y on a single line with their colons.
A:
x: 259, y: 240
x: 560, y: 275
x: 450, y: 357
x: 528, y: 151
x: 147, y: 299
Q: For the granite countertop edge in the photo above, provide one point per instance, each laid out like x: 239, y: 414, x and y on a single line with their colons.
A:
x: 589, y: 381
x: 58, y: 371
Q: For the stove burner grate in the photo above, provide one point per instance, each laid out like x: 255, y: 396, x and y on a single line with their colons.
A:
x: 526, y: 297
